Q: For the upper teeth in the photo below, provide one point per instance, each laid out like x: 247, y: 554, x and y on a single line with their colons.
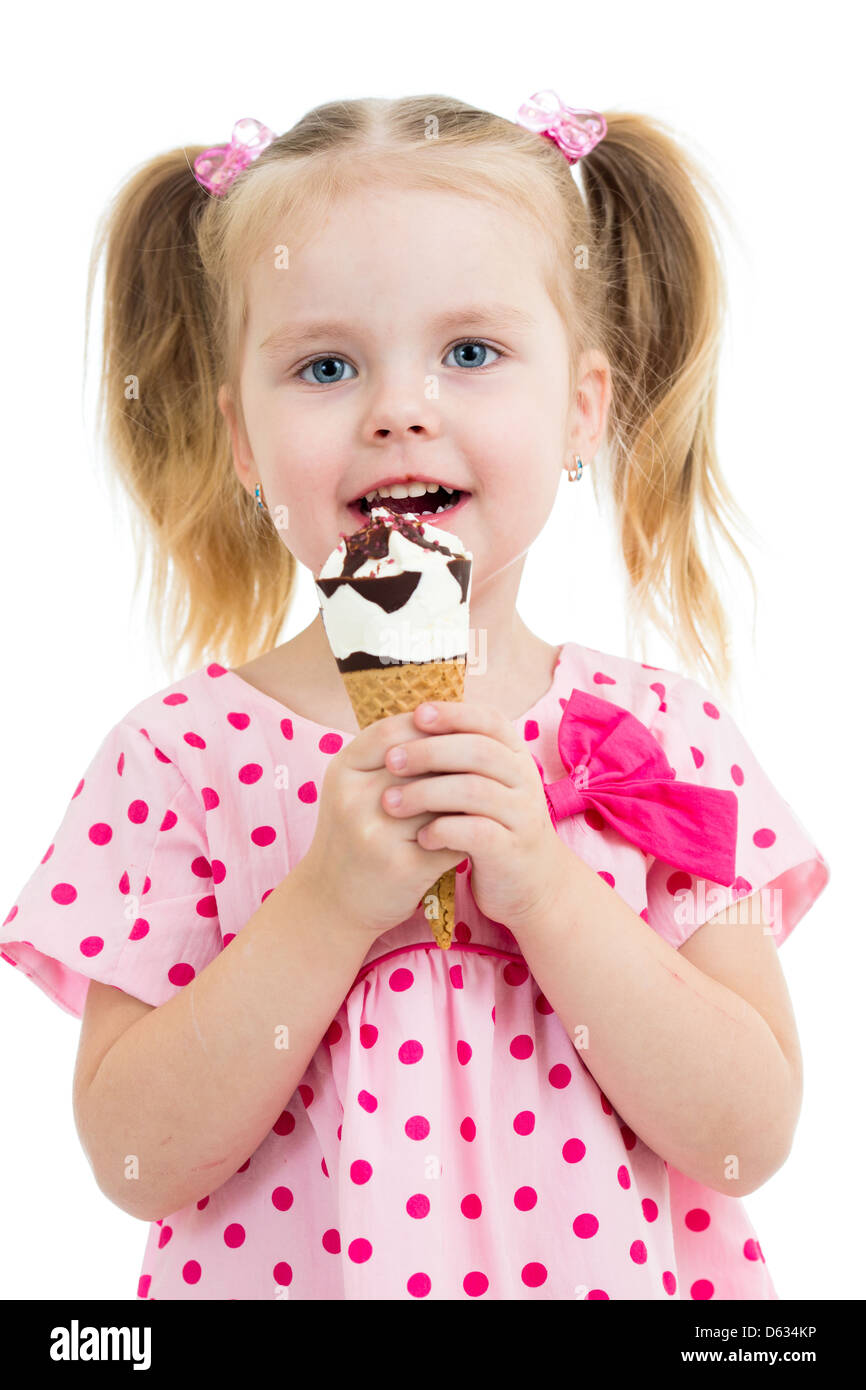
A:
x: 406, y: 490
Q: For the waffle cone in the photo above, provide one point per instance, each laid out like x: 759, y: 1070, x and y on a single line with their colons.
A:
x: 400, y: 688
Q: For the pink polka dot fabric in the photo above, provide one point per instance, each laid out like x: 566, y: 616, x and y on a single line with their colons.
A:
x: 447, y: 1140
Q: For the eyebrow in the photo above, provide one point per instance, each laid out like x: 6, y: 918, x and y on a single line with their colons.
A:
x: 483, y: 316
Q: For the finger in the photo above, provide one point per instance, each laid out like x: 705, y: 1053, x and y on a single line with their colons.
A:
x: 463, y: 794
x: 457, y: 753
x: 470, y: 835
x: 366, y: 752
x: 456, y: 716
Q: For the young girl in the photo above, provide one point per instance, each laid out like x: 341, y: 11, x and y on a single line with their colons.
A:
x: 278, y: 1067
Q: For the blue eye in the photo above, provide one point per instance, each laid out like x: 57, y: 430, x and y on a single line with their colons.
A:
x: 332, y: 361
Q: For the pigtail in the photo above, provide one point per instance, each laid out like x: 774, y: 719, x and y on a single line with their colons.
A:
x: 665, y: 303
x: 222, y: 580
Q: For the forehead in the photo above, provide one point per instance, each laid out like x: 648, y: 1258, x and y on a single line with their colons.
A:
x: 375, y: 249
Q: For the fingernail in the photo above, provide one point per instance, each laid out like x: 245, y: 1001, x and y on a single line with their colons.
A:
x: 426, y: 713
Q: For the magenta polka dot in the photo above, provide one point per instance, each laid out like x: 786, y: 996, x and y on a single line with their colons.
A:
x: 697, y: 1219
x: 169, y: 821
x: 334, y: 1034
x: 284, y: 1123
x: 218, y: 870
x: 521, y: 1047
x: 176, y: 698
x: 515, y: 973
x: 530, y: 730
x: 308, y: 793
x: 194, y: 740
x: 331, y: 743
x: 165, y: 1235
x: 306, y: 1094
x: 416, y: 1127
x: 702, y: 1288
x: 207, y: 907
x: 524, y: 1123
x: 637, y: 1251
x: 181, y: 974
x: 467, y: 1129
x: 368, y: 1034
x: 140, y: 928
x: 464, y: 1052
x: 200, y: 867
x: 455, y: 976
x: 401, y: 979
x: 764, y: 838
x: 47, y: 855
x: 234, y: 1235
x: 597, y: 1294
x: 191, y: 1272
x: 331, y: 1242
x: 238, y: 720
x: 282, y: 1274
x: 585, y: 1225
x: 137, y: 812
x: 471, y: 1206
x: 525, y: 1198
x: 559, y: 1076
x: 410, y: 1052
x: 710, y: 710
x: 249, y: 773
x: 64, y: 893
x: 210, y: 799
x: 533, y: 1275
x: 622, y: 1176
x: 697, y: 757
x: 263, y: 835
x: 737, y: 774
x: 286, y: 728
x: 360, y: 1171
x: 601, y: 679
x: 649, y: 1209
x: 418, y: 1206
x: 573, y: 1150
x: 476, y: 1284
x: 750, y: 1249
x: 419, y: 1285
x: 282, y: 1198
x: 91, y: 945
x: 669, y: 1283
x: 359, y: 1251
x: 100, y: 833
x: 367, y: 1102
x: 676, y: 882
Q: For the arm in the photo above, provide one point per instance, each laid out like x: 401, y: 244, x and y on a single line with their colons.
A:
x: 190, y: 1090
x: 692, y: 1067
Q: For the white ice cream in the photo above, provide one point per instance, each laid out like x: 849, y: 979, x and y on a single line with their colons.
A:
x: 432, y: 624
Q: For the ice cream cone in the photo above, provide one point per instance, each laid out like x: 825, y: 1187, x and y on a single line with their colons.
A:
x: 394, y: 598
x: 378, y: 693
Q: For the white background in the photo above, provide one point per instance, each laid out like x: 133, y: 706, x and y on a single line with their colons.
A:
x: 764, y: 95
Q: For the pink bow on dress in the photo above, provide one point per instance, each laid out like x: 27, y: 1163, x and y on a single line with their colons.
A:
x: 615, y: 765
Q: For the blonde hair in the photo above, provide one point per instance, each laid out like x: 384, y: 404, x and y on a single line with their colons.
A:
x: 649, y: 293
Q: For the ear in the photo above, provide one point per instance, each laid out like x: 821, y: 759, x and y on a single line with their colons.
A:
x: 589, y: 410
x: 240, y: 446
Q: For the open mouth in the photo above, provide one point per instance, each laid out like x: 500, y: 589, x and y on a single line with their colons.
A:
x: 429, y: 505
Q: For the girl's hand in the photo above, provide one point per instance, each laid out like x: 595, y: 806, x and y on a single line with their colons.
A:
x: 496, y: 810
x: 363, y: 863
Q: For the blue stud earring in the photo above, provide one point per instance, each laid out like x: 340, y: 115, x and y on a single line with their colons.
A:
x: 576, y: 473
x: 259, y: 495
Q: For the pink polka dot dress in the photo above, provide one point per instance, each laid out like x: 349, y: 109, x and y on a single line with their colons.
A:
x: 447, y: 1140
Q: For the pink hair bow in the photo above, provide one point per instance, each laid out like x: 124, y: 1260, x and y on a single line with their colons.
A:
x: 219, y: 166
x: 615, y: 765
x: 576, y: 132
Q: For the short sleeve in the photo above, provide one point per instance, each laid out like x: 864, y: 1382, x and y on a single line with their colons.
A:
x: 774, y: 853
x: 124, y: 893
